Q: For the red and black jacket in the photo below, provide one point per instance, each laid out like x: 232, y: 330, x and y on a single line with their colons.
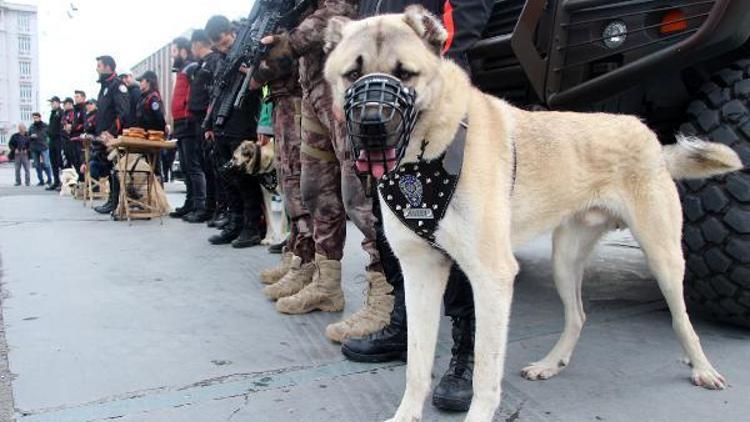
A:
x: 181, y: 94
x: 180, y: 101
x: 68, y: 118
x: 465, y: 20
x: 113, y: 106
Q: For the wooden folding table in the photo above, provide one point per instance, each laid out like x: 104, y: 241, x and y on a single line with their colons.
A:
x: 149, y: 206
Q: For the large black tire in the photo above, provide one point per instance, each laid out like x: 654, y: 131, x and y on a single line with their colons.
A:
x: 716, y: 238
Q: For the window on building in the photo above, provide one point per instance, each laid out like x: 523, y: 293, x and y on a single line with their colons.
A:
x: 24, y: 69
x: 24, y: 44
x: 25, y: 92
x: 24, y: 22
x: 26, y: 113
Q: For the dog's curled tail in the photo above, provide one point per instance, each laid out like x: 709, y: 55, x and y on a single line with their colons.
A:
x: 694, y: 158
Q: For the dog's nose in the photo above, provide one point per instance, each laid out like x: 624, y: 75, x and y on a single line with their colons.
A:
x: 371, y: 114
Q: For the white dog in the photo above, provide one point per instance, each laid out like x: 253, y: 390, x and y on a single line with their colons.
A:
x: 68, y: 182
x: 523, y: 173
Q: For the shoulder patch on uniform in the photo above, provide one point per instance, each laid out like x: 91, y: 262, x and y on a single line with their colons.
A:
x: 155, y: 106
x: 123, y: 89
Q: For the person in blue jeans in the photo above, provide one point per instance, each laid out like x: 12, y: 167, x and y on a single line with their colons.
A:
x: 40, y: 150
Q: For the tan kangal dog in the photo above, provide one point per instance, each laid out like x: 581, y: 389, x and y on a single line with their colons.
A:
x: 258, y: 160
x: 577, y: 174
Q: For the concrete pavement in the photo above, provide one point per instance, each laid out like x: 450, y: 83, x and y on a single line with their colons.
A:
x: 148, y: 322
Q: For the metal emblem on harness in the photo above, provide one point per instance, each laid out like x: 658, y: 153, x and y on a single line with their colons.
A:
x: 412, y: 189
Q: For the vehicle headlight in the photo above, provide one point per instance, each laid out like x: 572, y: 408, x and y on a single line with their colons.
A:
x: 614, y: 34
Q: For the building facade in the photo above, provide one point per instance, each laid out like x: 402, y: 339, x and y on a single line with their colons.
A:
x: 19, y: 66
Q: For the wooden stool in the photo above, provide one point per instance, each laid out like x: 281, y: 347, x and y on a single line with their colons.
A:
x: 92, y: 189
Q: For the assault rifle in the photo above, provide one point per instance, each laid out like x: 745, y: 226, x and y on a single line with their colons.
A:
x: 231, y: 86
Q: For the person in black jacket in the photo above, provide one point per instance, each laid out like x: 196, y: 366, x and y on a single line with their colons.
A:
x: 201, y: 83
x: 77, y: 130
x: 67, y: 144
x: 150, y: 109
x: 99, y: 164
x: 149, y: 115
x: 134, y: 94
x: 454, y: 391
x: 89, y: 123
x: 244, y: 195
x: 113, y: 112
x: 19, y: 152
x: 55, y: 138
x: 114, y: 99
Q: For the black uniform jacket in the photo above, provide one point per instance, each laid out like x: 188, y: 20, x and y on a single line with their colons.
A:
x: 150, y: 111
x: 113, y: 105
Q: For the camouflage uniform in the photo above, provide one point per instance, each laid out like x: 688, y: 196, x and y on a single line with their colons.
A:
x: 285, y: 94
x: 330, y: 187
x: 331, y: 190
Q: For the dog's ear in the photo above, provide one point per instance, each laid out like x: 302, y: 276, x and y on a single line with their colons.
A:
x: 334, y: 32
x: 427, y: 26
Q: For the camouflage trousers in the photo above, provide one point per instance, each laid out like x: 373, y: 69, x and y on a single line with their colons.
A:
x: 330, y: 187
x: 287, y: 128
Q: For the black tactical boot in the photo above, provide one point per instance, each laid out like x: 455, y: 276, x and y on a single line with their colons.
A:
x: 230, y: 232
x: 182, y: 211
x: 221, y: 219
x: 197, y: 216
x: 106, y: 207
x: 278, y: 248
x: 249, y: 237
x: 214, y: 215
x: 388, y: 344
x: 112, y: 199
x: 454, y: 392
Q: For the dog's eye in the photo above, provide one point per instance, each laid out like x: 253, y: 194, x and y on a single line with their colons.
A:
x: 352, y: 75
x: 404, y: 75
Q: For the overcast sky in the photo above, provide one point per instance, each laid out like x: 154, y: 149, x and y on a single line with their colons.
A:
x: 70, y: 40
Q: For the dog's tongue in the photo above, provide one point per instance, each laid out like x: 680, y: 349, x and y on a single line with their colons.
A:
x: 376, y: 162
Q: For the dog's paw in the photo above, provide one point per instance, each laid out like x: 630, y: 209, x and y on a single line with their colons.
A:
x: 542, y: 370
x: 266, y: 242
x: 708, y: 378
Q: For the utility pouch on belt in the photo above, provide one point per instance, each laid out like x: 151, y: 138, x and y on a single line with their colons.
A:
x: 312, y: 124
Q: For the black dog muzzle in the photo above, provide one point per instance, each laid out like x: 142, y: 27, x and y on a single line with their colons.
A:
x: 380, y: 117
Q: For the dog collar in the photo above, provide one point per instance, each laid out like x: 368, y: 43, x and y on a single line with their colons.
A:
x: 419, y: 193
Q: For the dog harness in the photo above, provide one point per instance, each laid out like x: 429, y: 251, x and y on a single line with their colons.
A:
x: 419, y: 193
x: 269, y: 181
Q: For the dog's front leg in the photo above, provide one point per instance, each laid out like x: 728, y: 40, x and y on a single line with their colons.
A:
x: 489, y: 264
x: 493, y: 291
x: 425, y: 277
